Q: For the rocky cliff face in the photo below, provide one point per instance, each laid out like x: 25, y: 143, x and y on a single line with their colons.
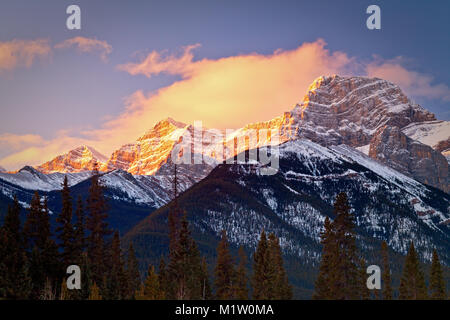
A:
x: 80, y: 159
x: 341, y: 110
x: 392, y: 147
x: 150, y: 151
x: 366, y: 113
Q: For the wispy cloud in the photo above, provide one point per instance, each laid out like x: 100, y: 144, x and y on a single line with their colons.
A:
x: 87, y: 45
x: 22, y: 53
x: 412, y: 82
x: 158, y: 62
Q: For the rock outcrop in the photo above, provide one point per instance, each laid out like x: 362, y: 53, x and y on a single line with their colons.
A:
x: 81, y: 159
x: 392, y: 147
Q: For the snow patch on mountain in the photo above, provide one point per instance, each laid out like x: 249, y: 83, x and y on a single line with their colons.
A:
x: 31, y: 179
x: 364, y: 149
x: 429, y: 133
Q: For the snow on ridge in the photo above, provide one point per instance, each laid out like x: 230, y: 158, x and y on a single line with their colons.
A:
x: 35, y: 180
x: 126, y: 183
x: 340, y: 153
x: 364, y: 149
x: 429, y: 132
x: 412, y: 186
x: 307, y: 148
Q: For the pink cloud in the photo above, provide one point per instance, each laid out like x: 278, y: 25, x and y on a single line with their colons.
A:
x: 412, y: 82
x: 156, y: 63
x: 22, y: 53
x: 87, y: 45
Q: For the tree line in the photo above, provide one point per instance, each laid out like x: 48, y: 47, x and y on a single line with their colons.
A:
x: 185, y: 276
x: 33, y: 259
x: 342, y: 271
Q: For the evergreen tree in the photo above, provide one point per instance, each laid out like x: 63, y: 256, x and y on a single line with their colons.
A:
x: 346, y: 262
x: 133, y: 272
x: 98, y: 229
x: 364, y: 292
x: 152, y: 289
x: 31, y: 225
x: 241, y: 276
x: 206, y: 287
x: 49, y: 254
x: 185, y: 277
x: 224, y: 272
x: 15, y: 282
x: 116, y: 285
x: 339, y: 273
x: 184, y: 268
x: 94, y: 292
x: 412, y: 283
x: 325, y: 278
x: 261, y: 272
x: 280, y: 289
x: 3, y: 271
x: 163, y: 279
x: 437, y: 284
x: 49, y: 291
x: 44, y: 269
x: 65, y: 231
x: 64, y: 292
x: 86, y: 280
x: 387, y: 288
x: 79, y: 242
x: 195, y: 274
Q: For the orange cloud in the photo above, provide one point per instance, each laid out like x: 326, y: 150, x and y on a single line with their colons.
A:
x: 22, y: 53
x: 87, y: 45
x: 34, y: 150
x: 413, y: 83
x: 229, y: 92
x: 18, y: 142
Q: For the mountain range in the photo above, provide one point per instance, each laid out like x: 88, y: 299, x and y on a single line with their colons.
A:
x: 360, y: 135
x: 371, y: 115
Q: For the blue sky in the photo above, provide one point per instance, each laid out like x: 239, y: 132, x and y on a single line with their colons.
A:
x: 78, y: 92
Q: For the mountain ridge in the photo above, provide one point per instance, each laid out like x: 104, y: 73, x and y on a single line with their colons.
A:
x: 356, y: 111
x: 387, y: 205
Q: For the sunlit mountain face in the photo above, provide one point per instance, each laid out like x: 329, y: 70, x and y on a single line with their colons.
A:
x: 370, y: 114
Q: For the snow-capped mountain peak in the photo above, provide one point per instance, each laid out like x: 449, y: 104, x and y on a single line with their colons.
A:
x: 369, y: 114
x: 152, y: 150
x: 83, y: 158
x: 364, y: 113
